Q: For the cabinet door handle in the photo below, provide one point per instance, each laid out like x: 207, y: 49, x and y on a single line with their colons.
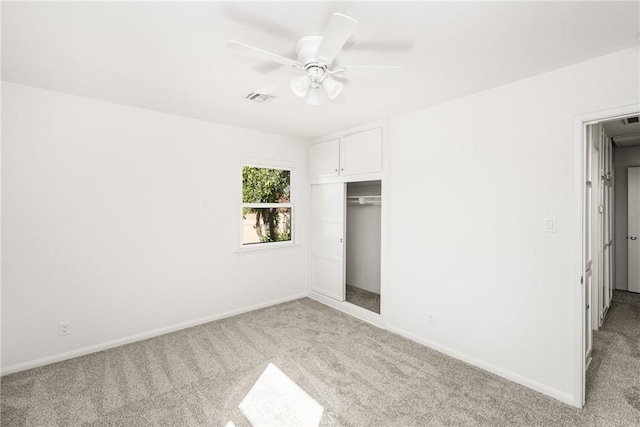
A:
x: 342, y: 169
x: 335, y: 170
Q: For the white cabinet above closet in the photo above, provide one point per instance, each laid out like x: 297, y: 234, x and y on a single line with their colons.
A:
x: 325, y: 158
x: 357, y: 153
x: 361, y: 152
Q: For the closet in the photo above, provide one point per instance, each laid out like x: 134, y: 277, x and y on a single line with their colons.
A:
x: 346, y: 219
x: 363, y: 244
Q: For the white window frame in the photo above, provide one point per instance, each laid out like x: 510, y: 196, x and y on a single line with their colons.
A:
x: 293, y: 193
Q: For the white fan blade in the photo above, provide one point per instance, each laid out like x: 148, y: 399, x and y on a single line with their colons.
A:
x: 388, y: 45
x: 366, y: 71
x: 263, y: 54
x: 335, y: 36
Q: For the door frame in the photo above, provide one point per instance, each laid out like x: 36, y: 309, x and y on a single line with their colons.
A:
x: 578, y: 244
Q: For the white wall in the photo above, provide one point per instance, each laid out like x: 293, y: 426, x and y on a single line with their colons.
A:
x: 123, y: 221
x: 363, y: 239
x: 484, y: 173
x: 624, y: 158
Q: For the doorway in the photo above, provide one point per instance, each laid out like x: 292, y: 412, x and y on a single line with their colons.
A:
x: 627, y: 202
x: 363, y: 244
x: 633, y: 229
x: 610, y: 147
x: 346, y: 234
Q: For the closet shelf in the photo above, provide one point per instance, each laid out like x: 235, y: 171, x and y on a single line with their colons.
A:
x: 364, y: 200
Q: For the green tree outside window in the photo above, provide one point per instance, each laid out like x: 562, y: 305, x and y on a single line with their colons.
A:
x: 266, y: 198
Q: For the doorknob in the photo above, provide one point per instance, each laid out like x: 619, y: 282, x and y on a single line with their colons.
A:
x: 633, y: 237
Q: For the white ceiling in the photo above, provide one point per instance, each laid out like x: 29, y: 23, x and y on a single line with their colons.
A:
x: 624, y: 134
x: 171, y: 57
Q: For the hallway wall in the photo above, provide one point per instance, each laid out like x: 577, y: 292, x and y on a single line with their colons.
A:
x: 623, y: 159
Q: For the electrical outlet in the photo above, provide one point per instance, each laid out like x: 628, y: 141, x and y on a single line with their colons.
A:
x: 431, y: 319
x: 64, y: 328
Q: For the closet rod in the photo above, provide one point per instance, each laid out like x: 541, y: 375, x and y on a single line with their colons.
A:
x: 364, y: 200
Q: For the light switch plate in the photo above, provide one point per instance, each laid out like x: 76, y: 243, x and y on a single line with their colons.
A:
x: 550, y: 225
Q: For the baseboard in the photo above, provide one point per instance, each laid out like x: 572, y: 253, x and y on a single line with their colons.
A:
x: 373, y: 319
x: 139, y: 337
x: 511, y: 376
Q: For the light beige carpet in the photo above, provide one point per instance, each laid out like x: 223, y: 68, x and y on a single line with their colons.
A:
x: 363, y: 298
x: 361, y: 375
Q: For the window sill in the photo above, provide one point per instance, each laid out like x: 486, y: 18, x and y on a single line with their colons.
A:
x: 265, y: 247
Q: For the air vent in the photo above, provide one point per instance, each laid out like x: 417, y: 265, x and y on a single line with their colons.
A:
x: 260, y: 97
x: 630, y: 120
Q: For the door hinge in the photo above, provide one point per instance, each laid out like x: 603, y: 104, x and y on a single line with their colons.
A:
x: 588, y: 306
x: 588, y: 183
x: 582, y: 280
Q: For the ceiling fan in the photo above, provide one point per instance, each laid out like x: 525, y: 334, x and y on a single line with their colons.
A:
x: 315, y: 54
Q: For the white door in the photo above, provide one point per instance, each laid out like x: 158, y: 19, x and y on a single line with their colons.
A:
x: 588, y: 256
x: 633, y: 231
x: 608, y: 221
x: 599, y: 280
x: 603, y: 281
x: 596, y: 223
x: 327, y: 240
x: 325, y: 158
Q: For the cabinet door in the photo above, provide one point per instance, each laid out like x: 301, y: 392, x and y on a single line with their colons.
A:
x: 327, y: 233
x: 361, y: 152
x: 325, y: 158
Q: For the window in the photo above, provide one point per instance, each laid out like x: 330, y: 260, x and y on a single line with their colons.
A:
x: 267, y: 209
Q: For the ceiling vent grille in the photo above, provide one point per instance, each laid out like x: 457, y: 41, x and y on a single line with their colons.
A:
x: 630, y: 120
x: 260, y: 97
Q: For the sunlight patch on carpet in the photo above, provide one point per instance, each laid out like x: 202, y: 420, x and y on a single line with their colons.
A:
x: 276, y: 400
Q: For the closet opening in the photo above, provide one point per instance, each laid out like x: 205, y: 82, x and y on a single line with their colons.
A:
x: 363, y: 244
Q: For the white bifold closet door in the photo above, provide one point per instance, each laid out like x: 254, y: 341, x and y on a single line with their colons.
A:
x: 327, y: 237
x: 588, y: 267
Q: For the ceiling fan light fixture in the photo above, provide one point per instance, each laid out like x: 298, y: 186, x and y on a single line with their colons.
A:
x: 315, y: 56
x: 313, y: 97
x: 300, y: 85
x: 332, y: 87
